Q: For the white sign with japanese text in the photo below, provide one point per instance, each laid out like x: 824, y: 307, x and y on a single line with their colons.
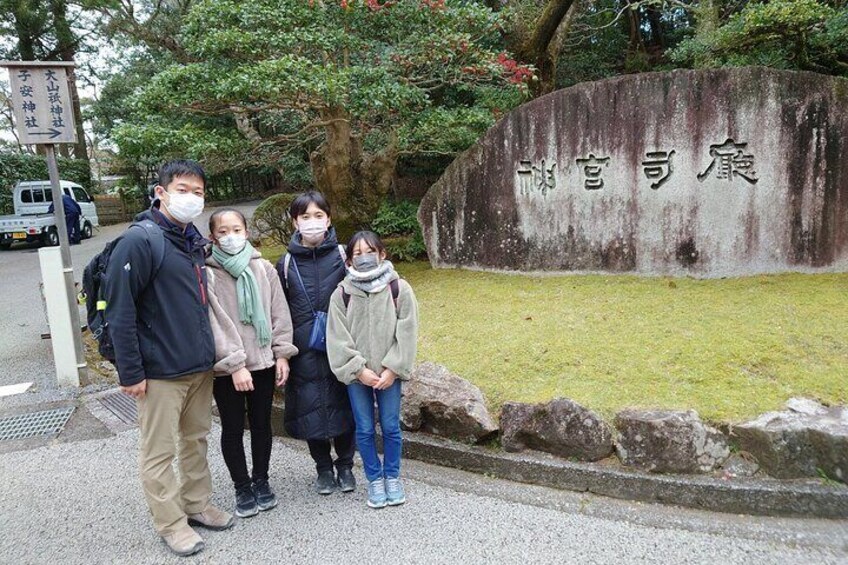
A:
x: 42, y: 104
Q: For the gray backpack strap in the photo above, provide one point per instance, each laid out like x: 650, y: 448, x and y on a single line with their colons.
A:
x: 343, y: 253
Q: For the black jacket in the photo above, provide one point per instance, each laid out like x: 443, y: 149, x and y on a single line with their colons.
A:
x: 317, y: 405
x: 159, y: 324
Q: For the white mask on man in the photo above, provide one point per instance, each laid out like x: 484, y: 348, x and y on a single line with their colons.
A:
x: 184, y: 206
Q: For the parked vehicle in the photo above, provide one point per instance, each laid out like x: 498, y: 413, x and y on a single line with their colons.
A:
x: 32, y: 223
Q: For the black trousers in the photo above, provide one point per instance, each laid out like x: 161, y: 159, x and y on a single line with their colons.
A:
x: 320, y: 450
x: 231, y: 406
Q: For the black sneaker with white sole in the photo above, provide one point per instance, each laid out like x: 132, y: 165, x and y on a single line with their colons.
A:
x: 246, y: 505
x: 265, y: 497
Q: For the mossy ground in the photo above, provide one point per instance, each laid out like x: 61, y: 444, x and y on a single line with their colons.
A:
x: 729, y: 348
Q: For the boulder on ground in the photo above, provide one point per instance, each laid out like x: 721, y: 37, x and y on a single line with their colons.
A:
x: 666, y: 441
x: 807, y: 440
x: 438, y: 402
x: 561, y: 427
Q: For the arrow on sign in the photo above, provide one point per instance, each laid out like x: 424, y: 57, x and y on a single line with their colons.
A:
x: 52, y: 132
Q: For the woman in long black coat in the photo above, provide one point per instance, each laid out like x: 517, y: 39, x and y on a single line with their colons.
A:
x: 317, y: 404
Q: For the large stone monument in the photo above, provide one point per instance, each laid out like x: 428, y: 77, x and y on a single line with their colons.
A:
x: 705, y: 173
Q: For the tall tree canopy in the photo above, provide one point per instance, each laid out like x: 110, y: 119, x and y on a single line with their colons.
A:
x: 357, y: 83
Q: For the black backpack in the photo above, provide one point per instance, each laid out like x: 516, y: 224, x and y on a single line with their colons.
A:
x: 93, y: 279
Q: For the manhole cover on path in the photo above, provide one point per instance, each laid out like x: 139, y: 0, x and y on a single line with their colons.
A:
x: 35, y: 423
x: 121, y: 405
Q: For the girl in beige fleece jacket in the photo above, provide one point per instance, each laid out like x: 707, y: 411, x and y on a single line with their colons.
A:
x: 253, y: 341
x: 372, y: 334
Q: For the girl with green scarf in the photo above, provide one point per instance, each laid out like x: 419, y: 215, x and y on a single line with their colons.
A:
x: 253, y: 342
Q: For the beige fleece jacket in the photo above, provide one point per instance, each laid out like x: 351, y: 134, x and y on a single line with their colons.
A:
x: 371, y: 333
x: 236, y: 346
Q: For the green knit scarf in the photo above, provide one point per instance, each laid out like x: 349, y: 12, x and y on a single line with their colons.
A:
x: 251, y: 310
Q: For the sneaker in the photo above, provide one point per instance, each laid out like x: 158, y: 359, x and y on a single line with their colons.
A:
x: 394, y: 492
x: 347, y: 482
x: 212, y: 519
x: 246, y: 502
x: 265, y: 497
x: 184, y: 541
x: 377, y: 494
x: 325, y: 483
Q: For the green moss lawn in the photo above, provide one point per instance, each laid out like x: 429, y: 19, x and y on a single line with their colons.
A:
x: 730, y: 348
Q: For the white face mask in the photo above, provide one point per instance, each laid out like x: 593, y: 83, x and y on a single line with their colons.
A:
x: 184, y: 207
x: 233, y: 243
x: 312, y: 230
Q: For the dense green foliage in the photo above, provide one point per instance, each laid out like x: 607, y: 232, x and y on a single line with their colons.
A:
x: 397, y: 224
x: 789, y: 34
x: 267, y: 83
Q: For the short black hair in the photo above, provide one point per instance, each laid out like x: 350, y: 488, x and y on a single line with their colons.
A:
x: 180, y: 168
x: 302, y: 202
x: 213, y: 219
x: 370, y: 238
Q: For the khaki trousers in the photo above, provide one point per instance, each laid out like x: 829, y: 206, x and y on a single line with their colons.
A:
x: 174, y: 418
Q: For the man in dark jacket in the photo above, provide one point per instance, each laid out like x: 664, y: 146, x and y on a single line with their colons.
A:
x: 158, y: 320
x: 73, y: 212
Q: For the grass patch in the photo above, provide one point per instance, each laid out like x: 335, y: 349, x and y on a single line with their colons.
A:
x: 730, y: 348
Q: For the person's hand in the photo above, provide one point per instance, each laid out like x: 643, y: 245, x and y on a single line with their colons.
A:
x: 282, y: 371
x: 137, y: 391
x: 387, y: 379
x: 368, y: 377
x: 243, y: 380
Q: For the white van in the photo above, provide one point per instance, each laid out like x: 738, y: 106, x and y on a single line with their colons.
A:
x: 32, y: 222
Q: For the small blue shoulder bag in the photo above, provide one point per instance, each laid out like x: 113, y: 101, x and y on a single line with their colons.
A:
x: 318, y: 335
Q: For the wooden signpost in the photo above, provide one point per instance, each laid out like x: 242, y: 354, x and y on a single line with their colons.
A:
x: 44, y: 115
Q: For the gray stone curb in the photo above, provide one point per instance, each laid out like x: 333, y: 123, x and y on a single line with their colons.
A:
x: 737, y: 496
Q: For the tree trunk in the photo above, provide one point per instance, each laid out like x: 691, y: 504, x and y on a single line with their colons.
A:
x: 355, y: 183
x: 24, y: 31
x: 706, y: 18
x: 655, y: 21
x: 634, y: 21
x: 537, y: 49
x: 66, y: 47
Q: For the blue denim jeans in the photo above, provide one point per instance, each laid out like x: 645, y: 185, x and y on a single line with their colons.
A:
x: 388, y: 406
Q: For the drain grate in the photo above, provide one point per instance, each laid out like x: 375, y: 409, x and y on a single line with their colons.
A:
x: 35, y: 423
x: 121, y: 405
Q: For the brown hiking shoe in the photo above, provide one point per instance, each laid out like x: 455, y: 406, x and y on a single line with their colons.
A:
x: 184, y: 541
x: 212, y: 518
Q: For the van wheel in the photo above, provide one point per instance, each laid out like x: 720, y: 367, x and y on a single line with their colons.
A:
x: 51, y: 238
x: 86, y: 230
x: 5, y: 245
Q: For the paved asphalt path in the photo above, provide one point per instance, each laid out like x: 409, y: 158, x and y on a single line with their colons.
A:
x: 77, y: 498
x: 80, y: 502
